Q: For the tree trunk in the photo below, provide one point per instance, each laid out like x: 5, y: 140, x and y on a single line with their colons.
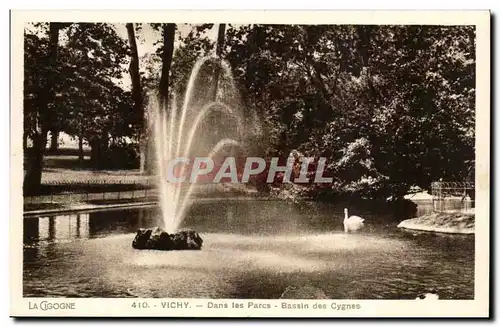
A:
x: 142, y: 155
x: 135, y: 76
x: 137, y: 96
x: 254, y: 41
x: 54, y: 138
x: 34, y: 164
x: 104, y: 143
x: 150, y: 164
x: 80, y: 149
x: 146, y: 159
x: 25, y: 142
x: 364, y: 35
x: 96, y: 154
x: 168, y: 52
x: 364, y: 51
x: 99, y: 158
x: 218, y: 52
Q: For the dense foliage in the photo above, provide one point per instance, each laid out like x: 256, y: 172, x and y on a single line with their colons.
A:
x: 391, y: 107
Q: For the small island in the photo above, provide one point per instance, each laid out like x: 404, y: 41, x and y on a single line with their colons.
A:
x: 442, y: 222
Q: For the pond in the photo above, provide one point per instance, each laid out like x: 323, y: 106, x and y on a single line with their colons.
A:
x: 251, y: 249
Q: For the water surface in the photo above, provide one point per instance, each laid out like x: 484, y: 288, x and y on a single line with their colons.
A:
x: 252, y: 249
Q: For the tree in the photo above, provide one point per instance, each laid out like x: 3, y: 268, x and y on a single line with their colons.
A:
x: 54, y: 139
x: 86, y: 93
x: 44, y: 112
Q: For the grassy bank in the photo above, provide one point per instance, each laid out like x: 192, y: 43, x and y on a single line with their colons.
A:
x: 442, y: 222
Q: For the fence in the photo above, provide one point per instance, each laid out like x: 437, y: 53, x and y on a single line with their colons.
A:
x: 120, y: 180
x: 453, y: 196
x: 92, y: 196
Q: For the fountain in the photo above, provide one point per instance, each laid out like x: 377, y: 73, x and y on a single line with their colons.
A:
x: 185, y: 133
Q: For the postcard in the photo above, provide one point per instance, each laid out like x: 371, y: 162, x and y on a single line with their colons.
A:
x: 250, y: 163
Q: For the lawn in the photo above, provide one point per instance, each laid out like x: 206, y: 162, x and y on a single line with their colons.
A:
x: 64, y: 173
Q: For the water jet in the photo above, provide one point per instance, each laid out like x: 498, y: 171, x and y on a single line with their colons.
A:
x: 188, y: 131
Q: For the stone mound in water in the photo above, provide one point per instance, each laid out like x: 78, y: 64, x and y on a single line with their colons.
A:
x: 157, y: 239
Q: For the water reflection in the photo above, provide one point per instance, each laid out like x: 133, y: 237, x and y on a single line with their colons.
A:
x: 56, y: 228
x: 241, y: 217
x: 85, y: 225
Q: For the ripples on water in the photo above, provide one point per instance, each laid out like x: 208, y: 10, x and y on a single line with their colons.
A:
x: 251, y: 249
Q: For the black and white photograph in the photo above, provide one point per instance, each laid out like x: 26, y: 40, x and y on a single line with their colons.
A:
x: 275, y: 163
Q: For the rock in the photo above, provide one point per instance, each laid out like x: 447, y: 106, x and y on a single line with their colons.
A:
x: 141, y: 238
x: 157, y: 239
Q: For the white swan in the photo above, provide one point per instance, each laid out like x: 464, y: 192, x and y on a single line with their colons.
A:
x: 352, y: 223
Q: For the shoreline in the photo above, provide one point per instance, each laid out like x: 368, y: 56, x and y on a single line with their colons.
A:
x: 87, y: 207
